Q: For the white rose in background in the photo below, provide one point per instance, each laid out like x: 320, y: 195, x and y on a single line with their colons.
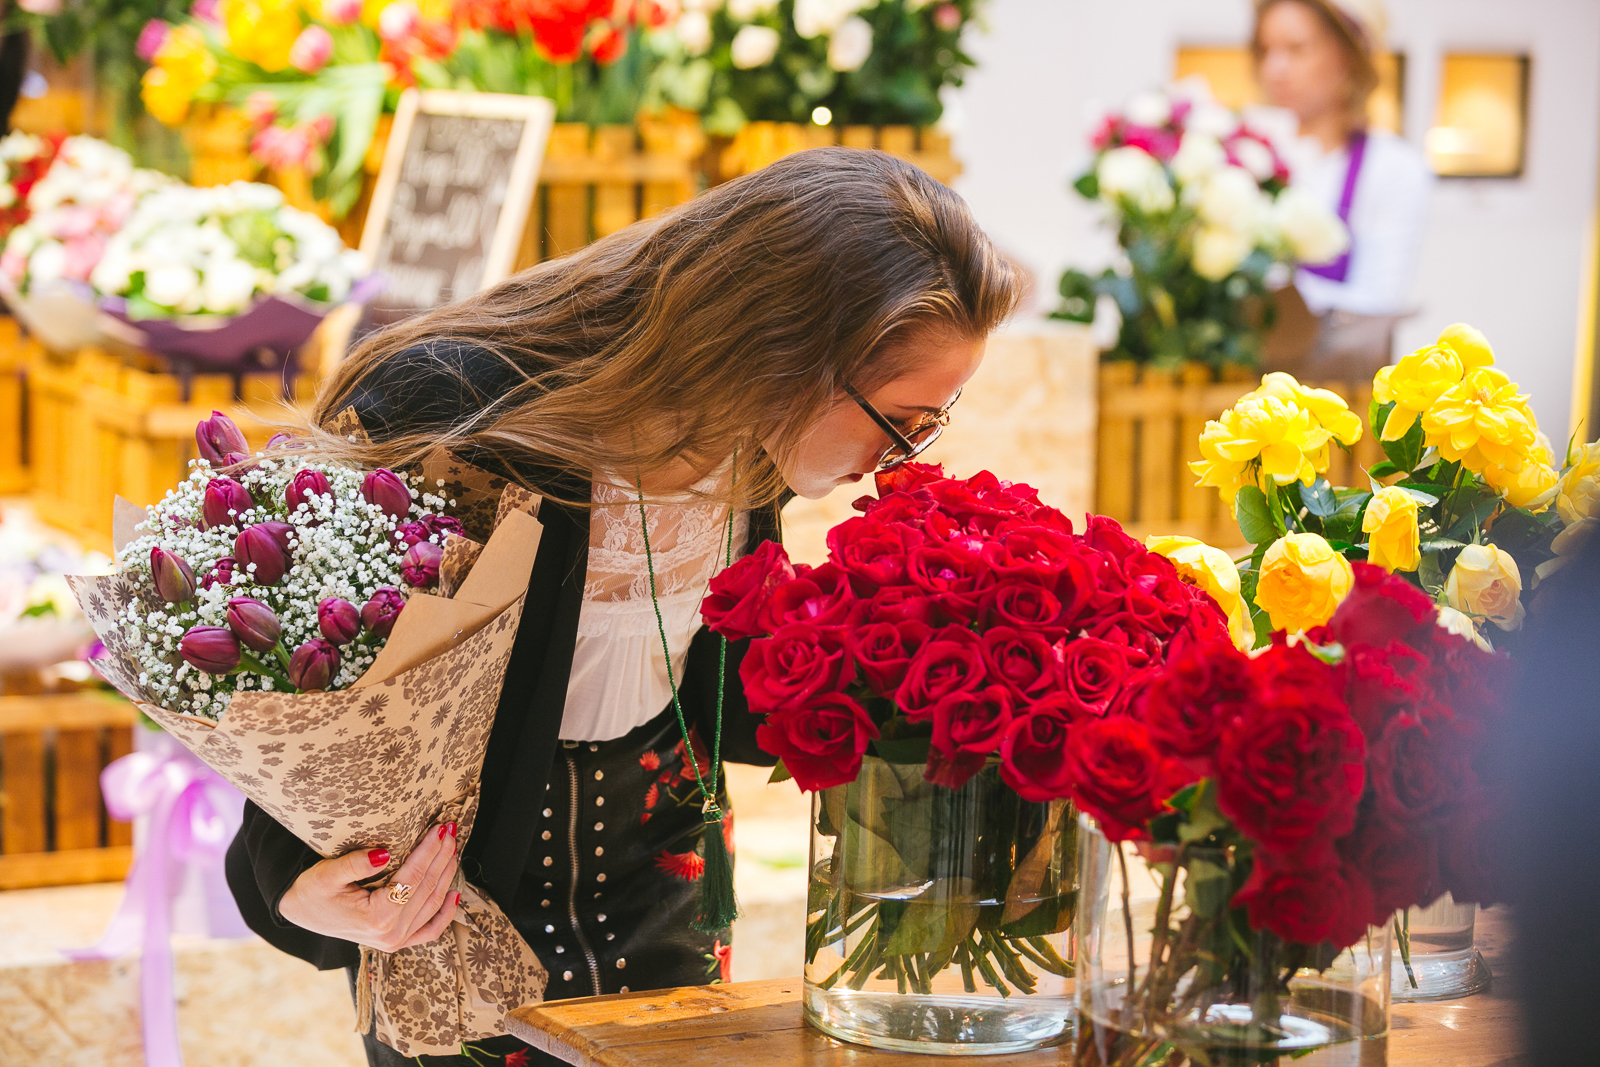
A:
x: 1218, y: 251
x: 1133, y: 175
x: 171, y: 284
x: 1255, y: 157
x: 1210, y: 117
x: 745, y: 10
x: 229, y: 285
x: 850, y: 44
x: 694, y: 30
x: 1199, y: 156
x: 1231, y: 199
x: 1313, y: 233
x: 813, y: 18
x: 754, y: 46
x: 1149, y: 109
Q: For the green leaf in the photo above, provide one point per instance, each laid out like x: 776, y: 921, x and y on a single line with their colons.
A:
x: 937, y: 921
x: 1088, y: 186
x: 1406, y: 453
x: 1255, y: 520
x: 1471, y: 522
x: 1052, y: 916
x: 1442, y: 544
x: 1427, y: 500
x: 871, y: 863
x: 1207, y: 888
x: 780, y: 773
x: 902, y: 749
x: 1383, y: 469
x: 1318, y: 498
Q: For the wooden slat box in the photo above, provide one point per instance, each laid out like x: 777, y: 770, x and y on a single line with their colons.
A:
x: 760, y: 143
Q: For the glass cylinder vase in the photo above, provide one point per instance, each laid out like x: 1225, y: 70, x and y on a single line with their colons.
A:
x: 1442, y: 962
x: 1209, y: 990
x: 940, y: 920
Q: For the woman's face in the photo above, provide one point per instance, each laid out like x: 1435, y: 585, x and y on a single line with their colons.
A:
x: 844, y: 445
x: 1303, y: 67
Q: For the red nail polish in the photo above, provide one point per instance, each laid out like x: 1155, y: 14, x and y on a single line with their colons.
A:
x: 441, y: 832
x: 378, y: 857
x: 452, y: 827
x: 458, y: 900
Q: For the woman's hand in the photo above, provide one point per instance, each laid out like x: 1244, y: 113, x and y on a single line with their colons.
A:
x: 327, y: 900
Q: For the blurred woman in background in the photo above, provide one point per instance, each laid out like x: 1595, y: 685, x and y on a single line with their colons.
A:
x: 1317, y: 59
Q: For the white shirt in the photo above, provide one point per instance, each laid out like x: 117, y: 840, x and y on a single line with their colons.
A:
x: 1387, y: 220
x: 619, y: 676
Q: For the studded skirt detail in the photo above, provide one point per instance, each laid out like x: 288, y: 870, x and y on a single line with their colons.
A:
x: 613, y: 879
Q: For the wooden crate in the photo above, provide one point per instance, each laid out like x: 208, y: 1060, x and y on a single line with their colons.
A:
x: 1149, y: 431
x: 14, y: 475
x: 102, y: 426
x: 54, y: 829
x: 760, y: 143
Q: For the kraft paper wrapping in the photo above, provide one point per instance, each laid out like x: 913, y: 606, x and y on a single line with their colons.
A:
x: 380, y: 764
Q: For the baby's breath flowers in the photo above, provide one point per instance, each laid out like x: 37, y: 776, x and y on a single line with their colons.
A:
x: 302, y: 571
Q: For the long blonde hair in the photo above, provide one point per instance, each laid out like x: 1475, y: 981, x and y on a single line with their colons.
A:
x: 723, y: 327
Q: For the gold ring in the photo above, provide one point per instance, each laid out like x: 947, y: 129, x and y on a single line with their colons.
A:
x: 400, y: 893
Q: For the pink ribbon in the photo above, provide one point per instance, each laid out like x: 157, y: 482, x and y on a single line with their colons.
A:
x: 193, y: 816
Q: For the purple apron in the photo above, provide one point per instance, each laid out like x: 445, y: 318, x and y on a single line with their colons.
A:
x: 1339, y: 269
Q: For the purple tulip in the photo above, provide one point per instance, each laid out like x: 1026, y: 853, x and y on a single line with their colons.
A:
x: 338, y: 620
x: 221, y: 572
x: 428, y: 527
x: 225, y: 501
x: 220, y: 441
x: 254, y: 624
x: 261, y: 546
x: 212, y: 649
x: 312, y: 665
x: 379, y: 613
x: 420, y: 566
x: 305, y: 485
x: 173, y: 577
x: 385, y: 489
x: 282, y: 440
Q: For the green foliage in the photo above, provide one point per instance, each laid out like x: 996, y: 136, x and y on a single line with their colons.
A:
x: 1255, y: 517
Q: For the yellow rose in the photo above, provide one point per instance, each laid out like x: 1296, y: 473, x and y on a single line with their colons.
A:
x: 1326, y: 407
x: 1486, y: 584
x: 164, y: 96
x: 1469, y: 344
x: 1452, y: 621
x: 1302, y: 582
x: 1532, y: 485
x: 1391, y: 522
x: 1212, y: 570
x: 1412, y: 385
x: 1480, y: 421
x: 1279, y: 436
x: 1578, y: 497
x: 261, y: 31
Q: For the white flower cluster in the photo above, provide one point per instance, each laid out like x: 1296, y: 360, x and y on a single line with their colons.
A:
x: 342, y: 546
x: 188, y: 251
x: 1182, y: 148
x: 755, y: 44
x: 86, y: 195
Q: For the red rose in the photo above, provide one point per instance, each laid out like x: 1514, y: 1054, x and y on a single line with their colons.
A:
x: 1033, y: 752
x: 818, y: 595
x: 1307, y: 904
x: 901, y: 604
x: 917, y: 511
x: 967, y: 728
x: 908, y: 477
x: 1471, y: 682
x: 794, y: 665
x: 735, y: 597
x: 1470, y: 860
x: 1201, y: 689
x: 954, y: 578
x: 1381, y: 682
x: 873, y: 552
x: 1118, y: 776
x: 1380, y: 608
x: 1139, y: 646
x: 1092, y: 673
x: 1158, y: 604
x: 1399, y: 868
x: 1023, y: 605
x: 1290, y: 769
x: 950, y: 662
x: 1419, y: 768
x: 1024, y: 662
x: 1106, y: 535
x: 822, y: 743
x: 883, y: 651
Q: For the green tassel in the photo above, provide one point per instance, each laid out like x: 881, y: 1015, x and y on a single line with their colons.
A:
x: 718, y: 904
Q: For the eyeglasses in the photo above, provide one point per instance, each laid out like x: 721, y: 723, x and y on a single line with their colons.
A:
x: 905, y: 445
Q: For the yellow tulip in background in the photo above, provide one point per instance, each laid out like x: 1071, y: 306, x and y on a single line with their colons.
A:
x: 1213, y: 570
x: 1302, y: 582
x: 1486, y: 584
x: 181, y: 66
x: 1391, y: 525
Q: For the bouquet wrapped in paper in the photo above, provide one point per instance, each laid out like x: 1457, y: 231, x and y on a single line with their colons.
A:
x: 333, y: 645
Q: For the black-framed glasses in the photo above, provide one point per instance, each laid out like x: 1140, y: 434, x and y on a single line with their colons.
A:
x: 905, y: 445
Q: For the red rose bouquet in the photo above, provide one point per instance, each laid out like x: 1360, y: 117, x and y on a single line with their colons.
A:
x: 931, y: 681
x: 1298, y: 797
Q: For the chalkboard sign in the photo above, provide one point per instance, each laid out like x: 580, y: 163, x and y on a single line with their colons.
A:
x: 453, y: 196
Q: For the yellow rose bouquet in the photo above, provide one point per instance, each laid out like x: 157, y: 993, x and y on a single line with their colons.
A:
x: 1468, y: 503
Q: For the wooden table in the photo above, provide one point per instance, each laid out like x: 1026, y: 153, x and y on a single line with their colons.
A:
x: 758, y: 1024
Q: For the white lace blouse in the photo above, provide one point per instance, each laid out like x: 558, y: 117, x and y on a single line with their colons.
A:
x: 619, y: 678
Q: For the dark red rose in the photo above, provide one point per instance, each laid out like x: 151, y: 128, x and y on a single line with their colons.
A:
x: 1473, y: 683
x: 1118, y: 776
x: 1106, y: 535
x: 901, y: 604
x: 735, y: 597
x: 1380, y: 608
x: 967, y: 728
x: 1092, y: 673
x: 795, y: 665
x: 1400, y: 868
x: 1470, y: 858
x: 950, y: 662
x: 1202, y: 688
x: 1306, y: 903
x: 917, y: 511
x: 872, y: 552
x: 1023, y: 605
x: 821, y: 744
x: 955, y: 579
x: 1023, y: 661
x: 883, y: 651
x: 1291, y: 767
x: 908, y: 477
x: 1381, y: 682
x: 1033, y: 752
x: 818, y: 595
x: 1419, y: 768
x: 1158, y: 604
x: 1139, y: 646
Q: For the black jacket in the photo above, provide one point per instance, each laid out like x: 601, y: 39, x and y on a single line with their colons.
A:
x: 433, y: 386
